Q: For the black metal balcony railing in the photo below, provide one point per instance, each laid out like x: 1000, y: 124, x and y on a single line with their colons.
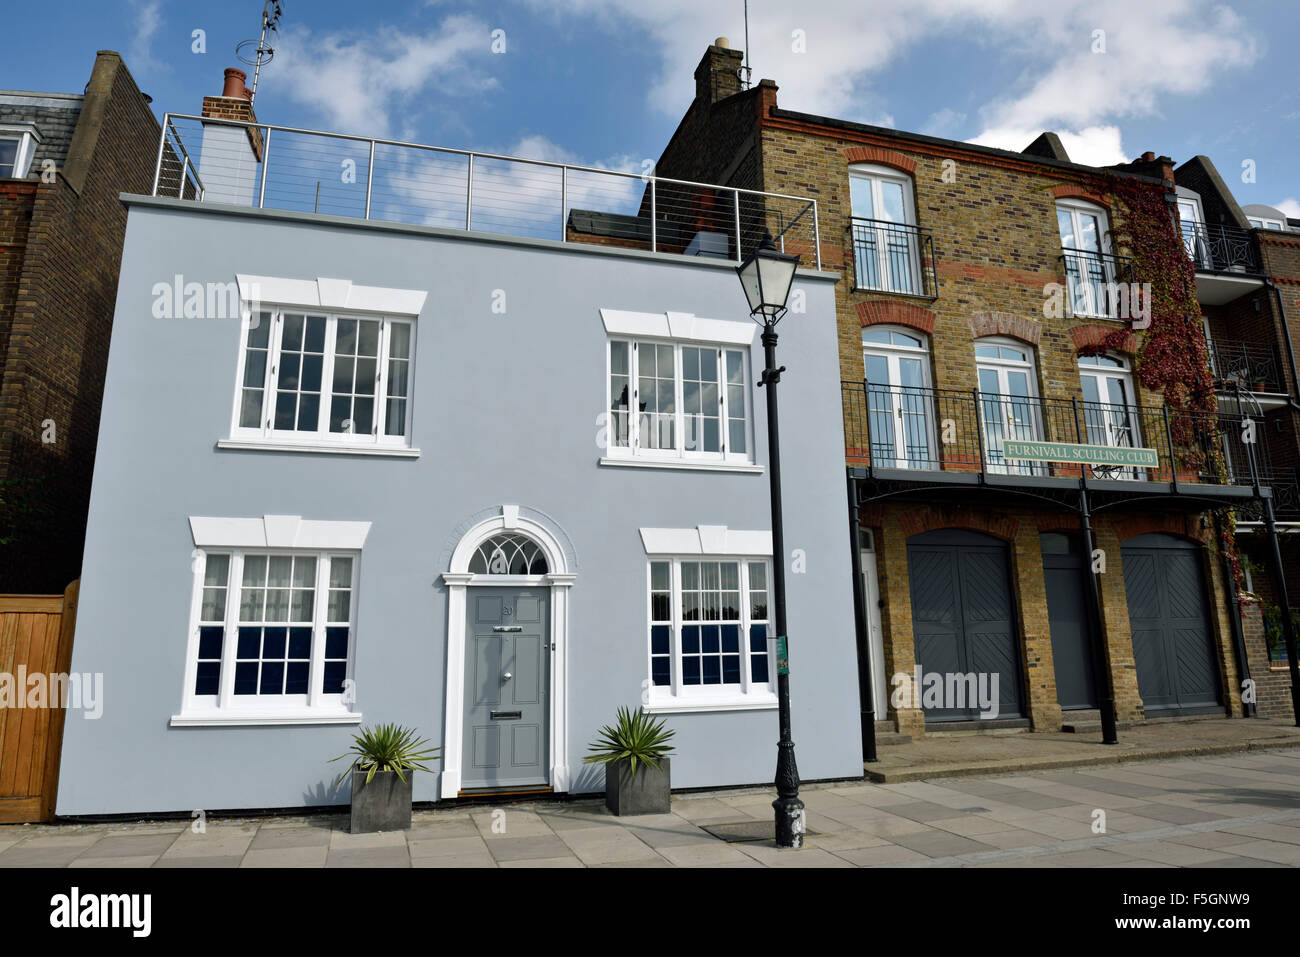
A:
x: 1221, y: 249
x: 943, y: 430
x: 894, y: 257
x: 1252, y: 365
x: 1098, y: 284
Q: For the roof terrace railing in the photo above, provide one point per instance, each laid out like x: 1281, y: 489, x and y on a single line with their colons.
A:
x: 277, y: 167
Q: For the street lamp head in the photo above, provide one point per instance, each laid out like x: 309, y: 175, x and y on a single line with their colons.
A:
x: 767, y: 276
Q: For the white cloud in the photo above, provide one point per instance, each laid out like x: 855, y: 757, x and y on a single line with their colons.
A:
x: 148, y: 18
x: 1154, y: 49
x: 510, y: 197
x: 1091, y: 146
x: 1290, y: 206
x: 361, y: 82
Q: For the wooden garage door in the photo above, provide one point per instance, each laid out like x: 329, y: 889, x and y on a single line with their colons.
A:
x: 1169, y: 613
x: 962, y: 621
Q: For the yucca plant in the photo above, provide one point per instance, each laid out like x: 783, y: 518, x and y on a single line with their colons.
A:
x: 634, y: 736
x: 386, y: 747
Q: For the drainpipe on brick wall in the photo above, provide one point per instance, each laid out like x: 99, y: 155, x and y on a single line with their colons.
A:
x: 866, y: 689
x: 1234, y: 618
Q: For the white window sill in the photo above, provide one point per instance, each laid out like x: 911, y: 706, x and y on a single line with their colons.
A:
x: 212, y: 719
x: 644, y: 463
x: 687, y: 705
x: 328, y: 447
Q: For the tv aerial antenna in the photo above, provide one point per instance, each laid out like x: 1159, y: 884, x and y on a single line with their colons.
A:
x: 746, y: 77
x: 255, y: 56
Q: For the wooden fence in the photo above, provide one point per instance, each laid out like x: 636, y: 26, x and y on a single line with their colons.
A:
x: 35, y: 639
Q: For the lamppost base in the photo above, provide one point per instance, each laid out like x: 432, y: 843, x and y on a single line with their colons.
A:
x: 789, y: 822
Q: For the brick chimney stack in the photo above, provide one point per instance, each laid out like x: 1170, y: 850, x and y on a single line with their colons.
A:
x: 228, y: 166
x: 718, y: 75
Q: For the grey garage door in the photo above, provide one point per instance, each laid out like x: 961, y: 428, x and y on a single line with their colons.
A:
x: 1168, y: 610
x: 962, y: 617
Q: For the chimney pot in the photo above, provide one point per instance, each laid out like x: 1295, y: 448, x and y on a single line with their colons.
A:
x: 1148, y: 156
x: 234, y: 87
x: 722, y: 42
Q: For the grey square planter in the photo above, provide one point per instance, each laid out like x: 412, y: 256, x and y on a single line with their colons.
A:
x: 382, y: 805
x: 646, y: 793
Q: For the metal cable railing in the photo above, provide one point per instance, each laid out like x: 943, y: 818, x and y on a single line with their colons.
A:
x: 276, y: 167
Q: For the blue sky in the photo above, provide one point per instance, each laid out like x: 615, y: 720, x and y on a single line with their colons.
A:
x: 603, y: 82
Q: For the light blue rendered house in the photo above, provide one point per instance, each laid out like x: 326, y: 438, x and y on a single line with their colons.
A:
x: 383, y: 462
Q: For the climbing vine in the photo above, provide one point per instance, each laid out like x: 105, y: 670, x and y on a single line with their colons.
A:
x: 1172, y: 357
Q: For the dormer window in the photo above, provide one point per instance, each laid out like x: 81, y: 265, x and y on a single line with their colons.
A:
x: 17, y: 147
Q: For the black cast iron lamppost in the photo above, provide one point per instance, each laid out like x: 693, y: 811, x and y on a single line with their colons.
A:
x: 767, y: 276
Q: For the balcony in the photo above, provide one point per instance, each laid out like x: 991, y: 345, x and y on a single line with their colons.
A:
x: 1226, y: 259
x: 1098, y: 285
x: 1253, y: 366
x: 1221, y: 249
x: 275, y: 167
x: 894, y: 257
x: 945, y: 437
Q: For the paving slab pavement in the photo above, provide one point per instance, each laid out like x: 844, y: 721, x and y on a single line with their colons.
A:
x: 1236, y: 810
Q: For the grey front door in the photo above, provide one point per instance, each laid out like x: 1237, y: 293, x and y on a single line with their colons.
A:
x: 1067, y: 619
x: 1169, y: 616
x: 506, y: 684
x: 962, y: 620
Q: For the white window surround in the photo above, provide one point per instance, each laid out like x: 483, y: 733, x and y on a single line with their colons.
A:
x: 322, y: 295
x: 681, y: 331
x: 277, y: 531
x: 681, y: 326
x: 713, y: 540
x: 742, y: 696
x: 27, y: 136
x: 281, y: 533
x: 458, y: 580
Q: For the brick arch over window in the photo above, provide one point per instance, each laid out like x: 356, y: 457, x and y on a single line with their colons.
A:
x: 873, y: 154
x: 1180, y: 526
x: 926, y: 518
x: 1092, y: 337
x: 887, y: 312
x: 984, y: 324
x: 1070, y: 191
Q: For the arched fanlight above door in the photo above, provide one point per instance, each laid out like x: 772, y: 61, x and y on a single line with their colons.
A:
x: 508, y: 555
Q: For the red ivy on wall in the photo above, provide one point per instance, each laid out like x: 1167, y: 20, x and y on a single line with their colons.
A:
x: 1172, y: 357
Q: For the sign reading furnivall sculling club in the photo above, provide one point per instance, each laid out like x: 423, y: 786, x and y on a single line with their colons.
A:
x: 1079, y: 454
